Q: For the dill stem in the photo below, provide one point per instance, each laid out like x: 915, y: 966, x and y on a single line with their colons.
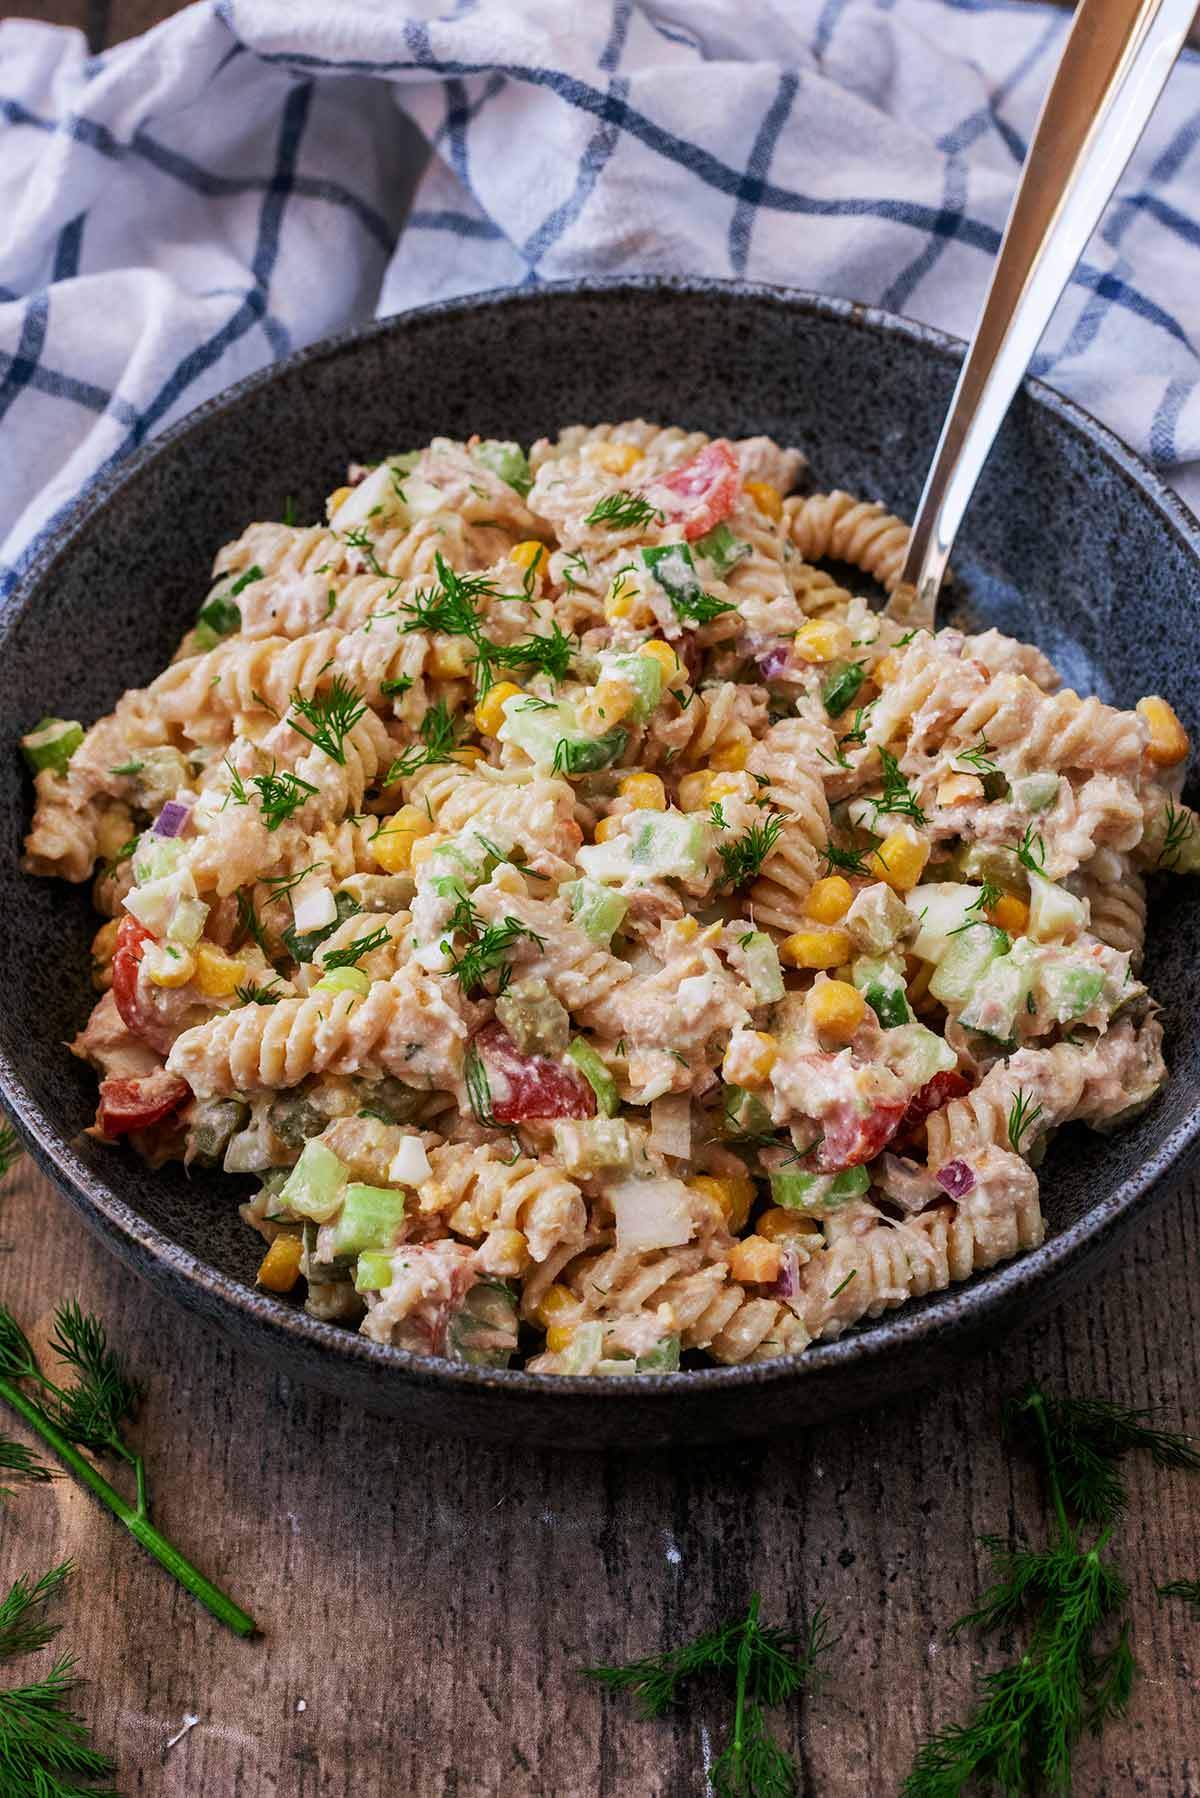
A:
x: 745, y: 1648
x: 1038, y: 1405
x: 134, y: 1518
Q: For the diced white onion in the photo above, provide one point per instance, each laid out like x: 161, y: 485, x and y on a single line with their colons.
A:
x: 313, y: 906
x: 671, y: 1123
x: 410, y: 1164
x: 651, y: 1214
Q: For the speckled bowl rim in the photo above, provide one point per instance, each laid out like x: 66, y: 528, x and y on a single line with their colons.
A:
x: 960, y: 1310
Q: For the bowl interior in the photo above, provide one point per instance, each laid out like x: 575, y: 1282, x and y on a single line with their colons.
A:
x: 1067, y: 544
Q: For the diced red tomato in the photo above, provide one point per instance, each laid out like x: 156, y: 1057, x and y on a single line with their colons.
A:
x: 935, y: 1093
x: 132, y: 938
x: 530, y: 1086
x: 135, y: 1104
x: 851, y: 1138
x: 706, y: 489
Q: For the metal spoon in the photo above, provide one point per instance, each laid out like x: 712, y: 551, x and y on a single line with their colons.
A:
x: 1114, y: 65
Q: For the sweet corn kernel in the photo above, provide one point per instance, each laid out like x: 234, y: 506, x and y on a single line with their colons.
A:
x: 609, y: 701
x: 823, y: 640
x: 169, y: 967
x: 646, y: 792
x: 279, y: 1268
x: 217, y: 974
x: 424, y: 847
x: 836, y: 1007
x: 337, y: 498
x: 623, y: 595
x: 559, y: 1337
x: 448, y: 657
x: 528, y: 553
x: 614, y: 458
x: 886, y: 668
x: 781, y: 1225
x: 768, y: 499
x: 468, y: 756
x: 815, y: 949
x: 1010, y: 913
x: 392, y: 844
x: 507, y: 1253
x: 749, y: 1059
x: 554, y: 1301
x: 730, y: 760
x: 607, y: 827
x: 899, y: 860
x: 665, y: 656
x: 684, y: 930
x: 959, y: 789
x: 755, y: 1260
x: 829, y: 899
x: 721, y: 786
x: 693, y: 790
x: 1168, y: 740
x: 489, y: 713
x: 734, y: 1193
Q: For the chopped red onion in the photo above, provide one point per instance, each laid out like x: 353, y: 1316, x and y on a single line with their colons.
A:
x: 172, y: 818
x: 956, y: 1178
x: 787, y: 1282
x: 775, y: 662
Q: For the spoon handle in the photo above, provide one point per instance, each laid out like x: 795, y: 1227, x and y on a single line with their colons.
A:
x: 1114, y: 65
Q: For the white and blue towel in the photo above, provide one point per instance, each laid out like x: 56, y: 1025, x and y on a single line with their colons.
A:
x: 253, y: 174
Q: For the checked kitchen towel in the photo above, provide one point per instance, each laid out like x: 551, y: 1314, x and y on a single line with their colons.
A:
x: 256, y: 173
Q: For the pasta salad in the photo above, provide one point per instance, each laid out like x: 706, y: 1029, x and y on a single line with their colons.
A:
x: 600, y: 934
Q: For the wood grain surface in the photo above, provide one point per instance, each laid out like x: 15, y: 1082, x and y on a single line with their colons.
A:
x: 426, y: 1603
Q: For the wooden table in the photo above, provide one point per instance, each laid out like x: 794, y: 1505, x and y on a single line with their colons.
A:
x: 427, y: 1604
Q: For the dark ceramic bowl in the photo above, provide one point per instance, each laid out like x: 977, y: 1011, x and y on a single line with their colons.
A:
x: 1071, y: 542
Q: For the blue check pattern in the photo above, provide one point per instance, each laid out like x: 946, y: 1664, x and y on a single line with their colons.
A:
x: 256, y: 173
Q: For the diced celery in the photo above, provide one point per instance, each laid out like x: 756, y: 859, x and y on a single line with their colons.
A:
x: 760, y: 961
x: 940, y: 908
x: 302, y: 947
x: 816, y: 1194
x: 373, y: 1272
x: 597, y: 910
x: 154, y: 903
x: 584, y: 1348
x: 314, y: 1187
x: 662, y: 1358
x: 966, y: 957
x: 51, y: 744
x: 344, y: 980
x: 369, y: 1219
x: 744, y: 1113
x: 585, y: 1144
x: 644, y: 675
x: 156, y: 857
x: 597, y: 1076
x: 670, y: 843
x: 508, y: 460
x: 1035, y: 792
x: 483, y: 1331
x: 537, y: 726
x: 1053, y: 912
x: 720, y: 547
x: 187, y: 922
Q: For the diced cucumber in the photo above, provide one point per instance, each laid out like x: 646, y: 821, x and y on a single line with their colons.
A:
x: 157, y: 857
x: 302, y: 947
x: 672, y: 567
x: 483, y: 1331
x: 585, y: 1144
x: 882, y: 984
x: 940, y: 908
x: 966, y: 958
x: 841, y: 689
x: 187, y: 922
x: 720, y: 548
x: 508, y: 460
x: 816, y: 1194
x: 51, y: 744
x: 578, y: 754
x: 608, y: 1101
x: 670, y: 844
x: 644, y: 675
x: 537, y: 726
x: 597, y: 910
x: 219, y: 617
x: 154, y: 902
x: 1053, y: 912
x: 997, y: 997
x: 1035, y: 792
x: 662, y: 1358
x: 314, y: 1187
x: 584, y: 1348
x: 1070, y: 992
x: 915, y: 1054
x: 744, y: 1113
x: 762, y: 969
x: 369, y: 1219
x: 373, y: 1272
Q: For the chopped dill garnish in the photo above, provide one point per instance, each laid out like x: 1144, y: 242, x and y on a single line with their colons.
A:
x: 841, y: 1287
x: 743, y: 858
x: 1035, y: 861
x: 898, y: 796
x: 249, y: 920
x: 1180, y: 826
x: 123, y: 854
x: 978, y: 758
x: 360, y: 540
x: 128, y: 768
x: 451, y: 608
x: 1089, y: 1437
x: 280, y: 795
x: 290, y: 514
x: 845, y: 861
x: 253, y: 994
x: 717, y: 813
x: 287, y: 882
x: 1021, y: 1119
x: 623, y: 511
x: 353, y: 952
x: 438, y: 736
x: 487, y: 948
x: 393, y: 688
x: 330, y: 717
x: 572, y: 565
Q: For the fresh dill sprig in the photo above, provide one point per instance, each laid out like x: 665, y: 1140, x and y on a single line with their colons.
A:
x: 1031, y: 851
x: 250, y: 922
x: 897, y: 796
x: 17, y: 1462
x: 451, y: 608
x: 764, y: 1665
x: 742, y: 859
x: 88, y: 1415
x: 979, y: 758
x: 716, y: 812
x: 44, y: 1747
x: 438, y: 737
x: 550, y: 655
x: 330, y: 717
x: 253, y: 994
x: 1180, y: 826
x: 845, y: 861
x: 360, y: 540
x: 353, y: 952
x: 1020, y: 1119
x: 279, y: 795
x: 286, y: 883
x: 10, y: 1147
x: 1188, y: 1589
x: 487, y: 948
x: 573, y: 564
x: 623, y: 511
x: 1089, y: 1437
